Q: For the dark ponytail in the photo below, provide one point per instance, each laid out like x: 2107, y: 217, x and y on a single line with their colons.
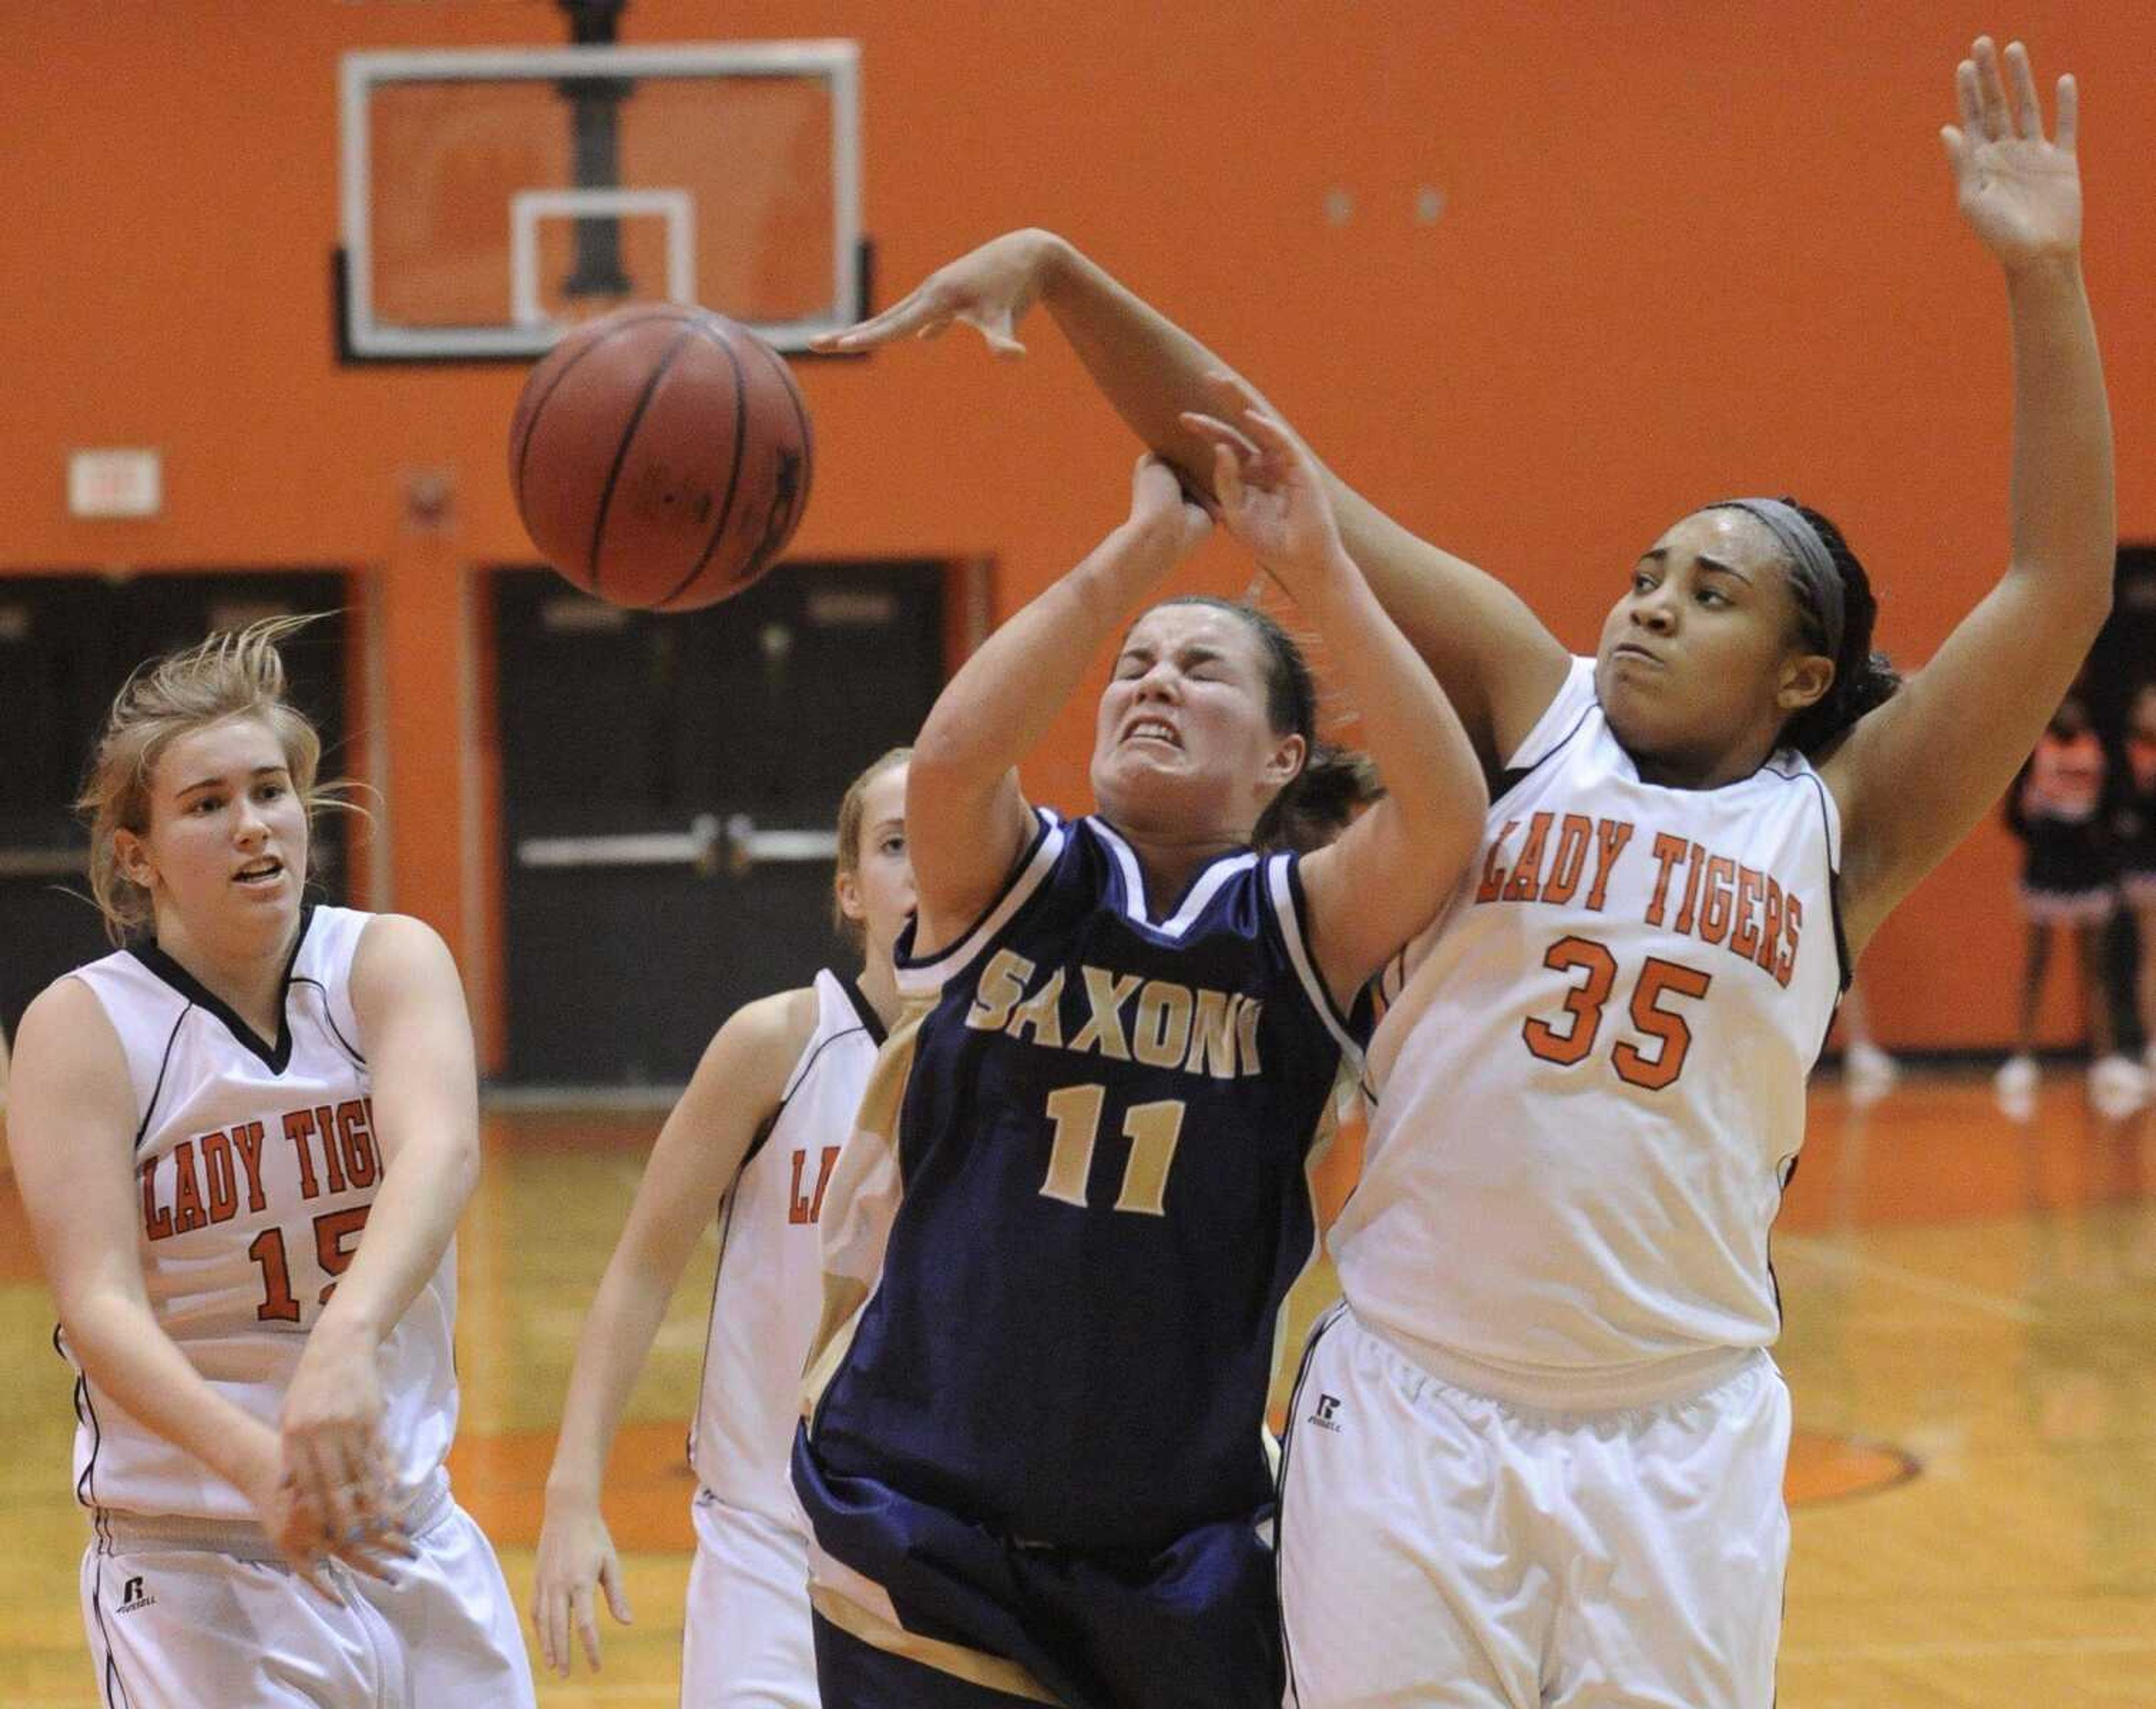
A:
x: 1862, y: 679
x: 1320, y: 801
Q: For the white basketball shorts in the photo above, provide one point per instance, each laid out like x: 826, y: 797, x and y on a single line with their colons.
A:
x: 746, y: 1642
x: 1447, y: 1551
x: 183, y: 1617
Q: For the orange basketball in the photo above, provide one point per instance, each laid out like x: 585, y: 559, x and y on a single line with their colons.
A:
x: 660, y: 457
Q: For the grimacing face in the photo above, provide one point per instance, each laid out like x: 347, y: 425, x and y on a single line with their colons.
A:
x: 1700, y: 659
x: 1183, y: 740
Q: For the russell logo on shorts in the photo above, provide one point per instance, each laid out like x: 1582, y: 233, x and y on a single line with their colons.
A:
x: 1326, y: 1413
x: 132, y: 1596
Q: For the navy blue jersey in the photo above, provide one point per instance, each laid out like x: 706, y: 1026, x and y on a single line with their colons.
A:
x: 1057, y: 1248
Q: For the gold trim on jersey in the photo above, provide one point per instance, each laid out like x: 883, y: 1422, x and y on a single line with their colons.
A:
x: 976, y: 1667
x: 862, y: 1203
x: 1300, y: 1302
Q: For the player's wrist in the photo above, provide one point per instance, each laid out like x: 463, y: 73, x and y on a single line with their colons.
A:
x: 1052, y: 258
x: 573, y: 1487
x: 347, y: 1325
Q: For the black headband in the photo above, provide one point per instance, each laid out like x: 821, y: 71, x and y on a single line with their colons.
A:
x: 1812, y: 564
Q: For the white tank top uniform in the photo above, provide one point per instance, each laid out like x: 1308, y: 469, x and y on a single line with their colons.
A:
x: 1590, y: 1092
x: 747, y: 1636
x: 257, y: 1165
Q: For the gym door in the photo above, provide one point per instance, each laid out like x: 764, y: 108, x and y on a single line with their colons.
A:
x: 670, y: 785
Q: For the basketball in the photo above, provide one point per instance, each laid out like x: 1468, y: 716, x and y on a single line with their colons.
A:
x: 660, y: 457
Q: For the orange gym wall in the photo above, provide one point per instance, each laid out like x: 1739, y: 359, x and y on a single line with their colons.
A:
x: 1689, y: 247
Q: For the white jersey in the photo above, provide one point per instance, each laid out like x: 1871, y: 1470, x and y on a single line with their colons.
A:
x: 769, y: 1291
x: 1590, y: 1085
x: 257, y: 1163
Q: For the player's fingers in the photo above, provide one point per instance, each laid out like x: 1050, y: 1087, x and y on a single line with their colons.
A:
x: 1235, y: 393
x: 617, y: 1592
x: 584, y: 1610
x: 343, y: 1471
x: 2028, y: 106
x: 1957, y: 147
x: 315, y: 1473
x: 2069, y: 113
x: 368, y: 1557
x: 1228, y: 481
x: 1217, y: 431
x: 1997, y: 118
x: 1968, y: 99
x: 1272, y: 435
x: 547, y: 1615
x: 899, y: 319
x: 310, y: 1570
x: 998, y: 329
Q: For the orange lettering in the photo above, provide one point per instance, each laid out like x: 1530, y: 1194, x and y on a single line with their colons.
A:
x: 1573, y: 837
x: 187, y: 1212
x: 216, y: 1168
x: 1744, y: 940
x: 156, y: 1218
x: 1793, y: 920
x: 356, y: 1143
x: 299, y: 1127
x: 1668, y: 851
x: 1493, y: 878
x: 1721, y: 892
x: 1611, y: 837
x: 1527, y: 870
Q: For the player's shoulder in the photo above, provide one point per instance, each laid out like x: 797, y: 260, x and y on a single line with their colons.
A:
x: 67, y: 1029
x: 391, y: 957
x: 392, y: 935
x: 763, y: 1038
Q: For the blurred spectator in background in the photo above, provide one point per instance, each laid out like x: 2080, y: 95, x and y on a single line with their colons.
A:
x: 2135, y: 822
x: 2057, y: 807
x: 1867, y: 1071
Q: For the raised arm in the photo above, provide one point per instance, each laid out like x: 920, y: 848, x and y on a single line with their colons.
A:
x: 416, y: 1035
x: 1384, y: 879
x: 967, y: 824
x: 1497, y: 663
x: 1914, y: 776
x: 736, y: 1089
x: 71, y: 1135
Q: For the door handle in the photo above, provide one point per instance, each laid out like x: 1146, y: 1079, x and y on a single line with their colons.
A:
x: 44, y: 863
x: 735, y: 844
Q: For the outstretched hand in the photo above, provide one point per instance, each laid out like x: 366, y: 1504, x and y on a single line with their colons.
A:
x: 1270, y: 491
x: 2020, y: 192
x: 989, y: 289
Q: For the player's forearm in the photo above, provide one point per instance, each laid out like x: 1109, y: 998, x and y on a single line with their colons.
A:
x: 429, y: 1175
x: 1004, y: 698
x: 124, y: 1350
x: 1473, y: 630
x: 1408, y: 726
x: 619, y: 1332
x: 1149, y: 369
x: 2063, y: 508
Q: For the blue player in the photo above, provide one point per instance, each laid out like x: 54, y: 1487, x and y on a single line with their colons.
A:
x: 1057, y: 1246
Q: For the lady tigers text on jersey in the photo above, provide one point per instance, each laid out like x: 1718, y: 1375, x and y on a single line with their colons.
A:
x: 208, y: 1178
x: 1717, y: 897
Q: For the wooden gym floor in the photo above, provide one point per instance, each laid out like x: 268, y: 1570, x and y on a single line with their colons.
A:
x: 1971, y: 1337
